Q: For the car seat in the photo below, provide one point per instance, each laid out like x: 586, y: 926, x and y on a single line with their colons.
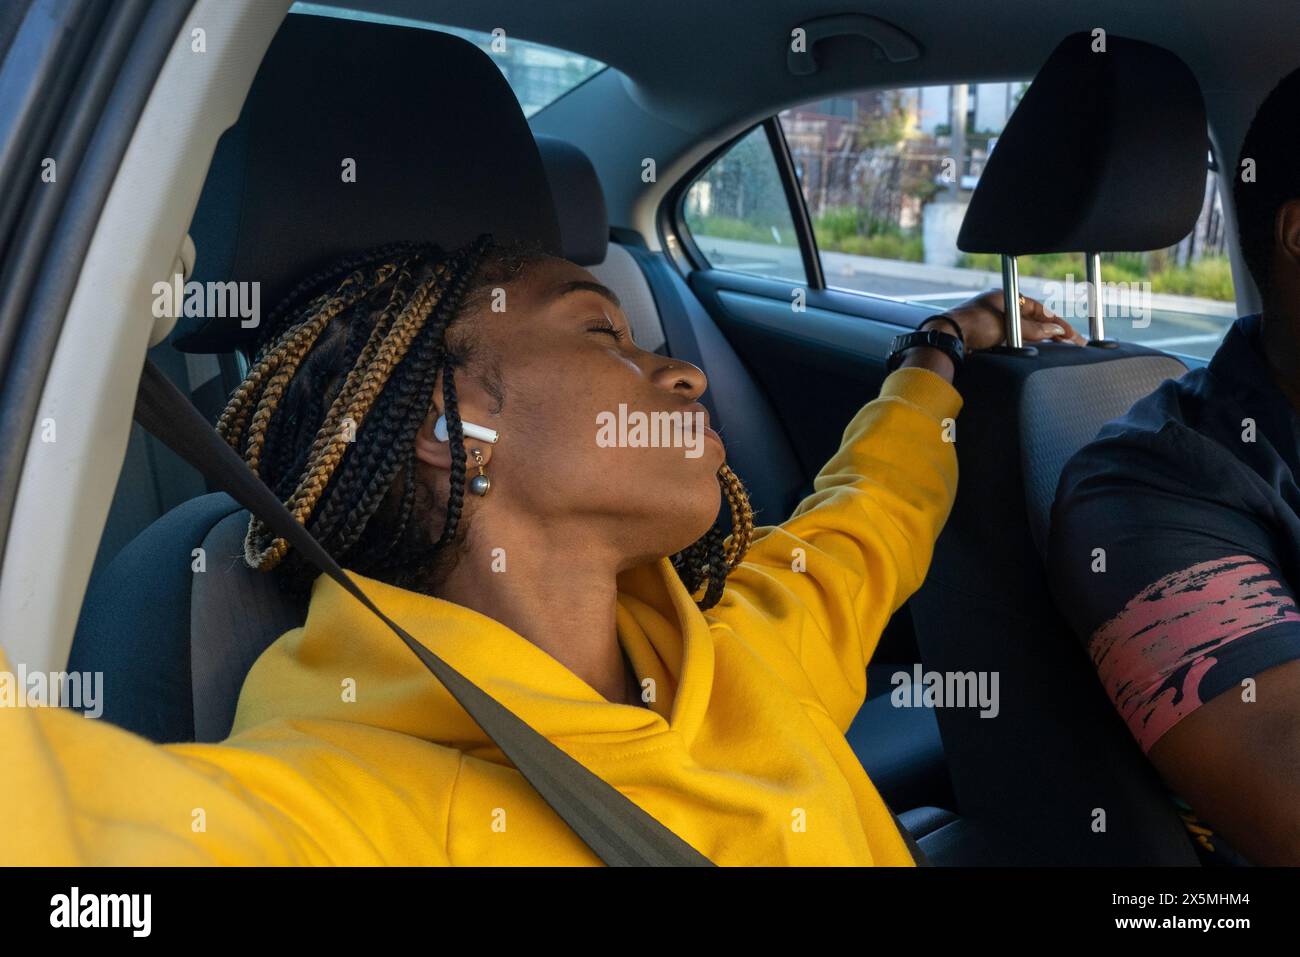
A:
x: 1106, y: 151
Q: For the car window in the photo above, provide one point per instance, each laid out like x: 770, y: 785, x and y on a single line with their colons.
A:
x: 738, y: 216
x: 887, y: 176
x: 538, y: 74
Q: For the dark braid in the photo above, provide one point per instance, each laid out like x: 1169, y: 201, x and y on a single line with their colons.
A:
x: 291, y: 456
x: 397, y: 417
x: 707, y: 562
x: 456, y: 435
x: 334, y: 485
x: 325, y: 279
x: 361, y: 343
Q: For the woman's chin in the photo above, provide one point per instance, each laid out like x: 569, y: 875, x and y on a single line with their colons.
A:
x: 710, y: 450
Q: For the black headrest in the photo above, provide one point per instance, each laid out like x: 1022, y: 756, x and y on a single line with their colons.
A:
x: 579, y: 201
x: 1105, y: 152
x: 441, y: 148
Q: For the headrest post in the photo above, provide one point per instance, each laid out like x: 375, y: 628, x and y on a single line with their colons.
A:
x: 1011, y: 300
x: 1096, y: 308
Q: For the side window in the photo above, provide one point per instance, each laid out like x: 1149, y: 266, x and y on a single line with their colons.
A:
x: 887, y: 176
x: 738, y: 215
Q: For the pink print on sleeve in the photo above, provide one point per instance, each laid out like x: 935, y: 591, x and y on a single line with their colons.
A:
x: 1152, y: 656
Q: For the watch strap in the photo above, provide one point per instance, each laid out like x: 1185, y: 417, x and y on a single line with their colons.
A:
x: 950, y: 346
x: 944, y: 317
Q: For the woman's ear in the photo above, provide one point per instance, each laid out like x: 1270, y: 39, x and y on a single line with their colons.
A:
x: 472, y: 401
x: 438, y: 454
x: 428, y: 449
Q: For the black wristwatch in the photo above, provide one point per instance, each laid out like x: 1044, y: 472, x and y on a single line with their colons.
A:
x: 951, y: 346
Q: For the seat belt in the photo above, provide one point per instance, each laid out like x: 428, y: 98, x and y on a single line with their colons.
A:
x: 619, y: 832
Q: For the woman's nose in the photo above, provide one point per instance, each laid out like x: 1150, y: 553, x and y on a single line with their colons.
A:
x: 681, y: 377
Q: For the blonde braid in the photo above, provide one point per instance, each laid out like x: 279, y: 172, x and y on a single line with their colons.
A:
x: 742, y: 516
x: 291, y: 346
x: 390, y: 338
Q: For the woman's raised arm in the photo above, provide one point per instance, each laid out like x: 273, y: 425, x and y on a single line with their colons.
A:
x: 814, y: 593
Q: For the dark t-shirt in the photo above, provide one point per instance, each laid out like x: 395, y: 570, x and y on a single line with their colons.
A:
x: 1175, y: 545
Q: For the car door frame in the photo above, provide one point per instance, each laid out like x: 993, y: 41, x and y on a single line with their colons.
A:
x: 829, y: 319
x: 85, y: 125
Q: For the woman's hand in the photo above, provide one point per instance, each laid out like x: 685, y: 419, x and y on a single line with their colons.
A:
x: 983, y: 322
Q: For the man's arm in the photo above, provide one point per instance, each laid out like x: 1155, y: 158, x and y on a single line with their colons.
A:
x: 1195, y: 634
x: 1237, y: 763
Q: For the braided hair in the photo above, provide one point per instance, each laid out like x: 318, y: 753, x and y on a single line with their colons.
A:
x: 339, y: 386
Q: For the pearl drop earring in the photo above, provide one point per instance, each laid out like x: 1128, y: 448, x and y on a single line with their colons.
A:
x: 480, y: 483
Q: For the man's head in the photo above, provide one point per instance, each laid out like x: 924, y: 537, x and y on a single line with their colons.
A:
x: 1266, y: 190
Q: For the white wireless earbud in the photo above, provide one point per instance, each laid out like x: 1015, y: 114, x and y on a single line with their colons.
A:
x: 480, y: 432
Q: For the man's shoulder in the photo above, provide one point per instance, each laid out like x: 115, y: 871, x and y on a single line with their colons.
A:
x: 1165, y: 432
x: 1182, y: 400
x: 1191, y: 426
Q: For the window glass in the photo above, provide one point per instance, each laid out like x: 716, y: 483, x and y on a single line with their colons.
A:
x: 887, y: 176
x: 738, y: 215
x: 538, y: 74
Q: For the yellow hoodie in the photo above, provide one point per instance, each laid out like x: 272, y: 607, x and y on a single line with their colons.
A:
x: 345, y: 750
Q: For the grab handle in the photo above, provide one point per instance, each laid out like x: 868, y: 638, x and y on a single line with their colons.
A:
x: 892, y: 44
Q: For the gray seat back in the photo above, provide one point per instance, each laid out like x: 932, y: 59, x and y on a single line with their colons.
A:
x: 1061, y: 410
x: 1053, y: 753
x: 236, y: 612
x: 1056, y: 766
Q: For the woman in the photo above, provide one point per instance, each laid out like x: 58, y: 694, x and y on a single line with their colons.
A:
x: 435, y: 420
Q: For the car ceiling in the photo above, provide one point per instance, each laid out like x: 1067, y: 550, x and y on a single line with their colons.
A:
x: 687, y: 75
x: 702, y: 65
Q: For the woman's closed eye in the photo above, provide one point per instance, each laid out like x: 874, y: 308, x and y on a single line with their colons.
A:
x: 609, y: 327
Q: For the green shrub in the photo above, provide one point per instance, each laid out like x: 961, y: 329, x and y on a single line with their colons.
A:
x: 839, y: 223
x: 1209, y: 278
x: 727, y: 227
x: 849, y: 229
x: 907, y: 247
